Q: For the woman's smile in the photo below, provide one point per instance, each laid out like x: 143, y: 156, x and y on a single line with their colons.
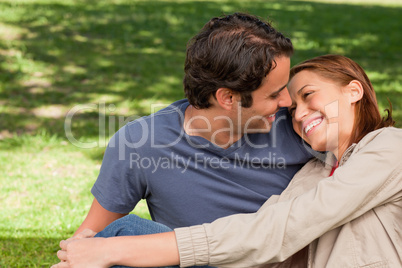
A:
x: 309, y: 125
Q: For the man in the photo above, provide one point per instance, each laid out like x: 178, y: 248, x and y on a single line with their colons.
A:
x: 224, y: 150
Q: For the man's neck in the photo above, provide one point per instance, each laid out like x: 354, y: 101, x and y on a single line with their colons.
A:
x: 212, y: 124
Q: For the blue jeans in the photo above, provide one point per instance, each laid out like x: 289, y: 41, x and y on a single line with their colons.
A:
x: 133, y: 225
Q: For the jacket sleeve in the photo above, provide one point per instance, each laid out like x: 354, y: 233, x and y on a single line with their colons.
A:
x: 369, y: 178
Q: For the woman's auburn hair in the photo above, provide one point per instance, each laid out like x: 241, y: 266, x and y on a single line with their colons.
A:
x: 342, y: 71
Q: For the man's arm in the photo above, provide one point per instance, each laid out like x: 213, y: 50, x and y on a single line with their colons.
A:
x: 98, y: 218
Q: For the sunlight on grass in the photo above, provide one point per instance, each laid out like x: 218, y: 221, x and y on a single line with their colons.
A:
x: 361, y: 2
x: 300, y: 40
x: 340, y: 45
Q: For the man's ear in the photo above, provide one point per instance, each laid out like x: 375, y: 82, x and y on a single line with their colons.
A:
x: 355, y: 90
x: 225, y: 98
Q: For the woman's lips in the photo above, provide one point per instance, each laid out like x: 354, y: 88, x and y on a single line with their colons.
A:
x: 310, y: 124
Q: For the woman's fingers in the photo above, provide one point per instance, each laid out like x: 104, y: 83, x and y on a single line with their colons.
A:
x: 63, y: 244
x: 62, y: 255
x: 61, y: 265
x: 82, y: 253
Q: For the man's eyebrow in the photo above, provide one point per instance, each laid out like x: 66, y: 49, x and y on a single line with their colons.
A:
x: 279, y: 90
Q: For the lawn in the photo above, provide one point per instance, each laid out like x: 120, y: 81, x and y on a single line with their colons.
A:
x: 73, y: 72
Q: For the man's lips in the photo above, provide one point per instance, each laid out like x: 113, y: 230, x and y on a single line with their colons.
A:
x: 271, y: 117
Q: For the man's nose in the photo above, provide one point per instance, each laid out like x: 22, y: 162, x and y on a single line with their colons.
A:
x: 284, y: 98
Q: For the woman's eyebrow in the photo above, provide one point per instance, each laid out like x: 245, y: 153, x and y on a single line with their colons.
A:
x: 300, y: 90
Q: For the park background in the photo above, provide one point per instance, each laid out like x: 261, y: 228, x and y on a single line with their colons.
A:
x: 118, y: 60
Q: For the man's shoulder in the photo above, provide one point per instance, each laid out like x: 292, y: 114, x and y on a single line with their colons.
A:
x: 162, y: 126
x: 162, y: 115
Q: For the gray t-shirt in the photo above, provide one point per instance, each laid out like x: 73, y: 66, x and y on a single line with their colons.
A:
x: 187, y: 180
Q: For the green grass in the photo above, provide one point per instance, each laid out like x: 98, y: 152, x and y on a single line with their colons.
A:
x: 117, y: 59
x: 45, y: 195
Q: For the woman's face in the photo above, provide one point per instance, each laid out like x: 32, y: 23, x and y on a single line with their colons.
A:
x: 323, y: 112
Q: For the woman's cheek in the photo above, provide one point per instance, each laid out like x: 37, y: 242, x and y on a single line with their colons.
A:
x: 296, y: 127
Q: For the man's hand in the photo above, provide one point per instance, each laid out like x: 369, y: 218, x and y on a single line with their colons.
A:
x: 82, y: 253
x: 87, y: 233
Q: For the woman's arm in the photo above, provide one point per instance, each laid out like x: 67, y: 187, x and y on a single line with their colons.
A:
x: 134, y: 251
x: 371, y: 177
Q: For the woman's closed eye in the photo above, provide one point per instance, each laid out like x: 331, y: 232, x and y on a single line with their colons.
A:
x: 306, y: 94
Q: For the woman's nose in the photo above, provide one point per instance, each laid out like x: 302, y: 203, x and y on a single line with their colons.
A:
x: 300, y: 113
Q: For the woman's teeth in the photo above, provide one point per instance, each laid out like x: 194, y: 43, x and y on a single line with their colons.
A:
x: 312, y: 124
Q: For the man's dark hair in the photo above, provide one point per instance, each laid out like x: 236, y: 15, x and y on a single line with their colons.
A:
x: 236, y: 52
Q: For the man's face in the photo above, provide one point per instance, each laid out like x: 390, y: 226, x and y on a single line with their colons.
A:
x: 267, y: 99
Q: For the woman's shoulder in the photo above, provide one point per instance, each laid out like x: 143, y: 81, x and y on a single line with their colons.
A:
x: 380, y: 149
x: 387, y: 137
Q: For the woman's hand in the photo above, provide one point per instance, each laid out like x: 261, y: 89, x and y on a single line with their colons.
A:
x: 83, y: 252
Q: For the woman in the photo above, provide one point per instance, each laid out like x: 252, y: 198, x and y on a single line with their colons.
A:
x: 346, y: 208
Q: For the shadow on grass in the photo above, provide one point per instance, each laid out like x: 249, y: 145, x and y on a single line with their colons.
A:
x: 31, y: 251
x: 131, y: 55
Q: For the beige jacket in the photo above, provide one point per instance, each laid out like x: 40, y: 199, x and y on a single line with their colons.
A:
x: 351, y: 219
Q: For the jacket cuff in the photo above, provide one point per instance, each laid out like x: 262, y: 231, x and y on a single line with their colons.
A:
x: 193, y: 246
